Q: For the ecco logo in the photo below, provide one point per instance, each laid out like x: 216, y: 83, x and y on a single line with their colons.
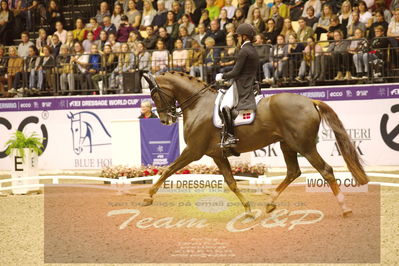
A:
x: 336, y: 94
x: 389, y: 137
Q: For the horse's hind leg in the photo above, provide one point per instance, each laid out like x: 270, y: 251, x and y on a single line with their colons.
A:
x: 293, y: 172
x: 224, y: 167
x: 327, y: 172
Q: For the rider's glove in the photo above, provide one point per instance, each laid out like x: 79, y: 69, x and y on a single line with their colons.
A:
x: 219, y: 77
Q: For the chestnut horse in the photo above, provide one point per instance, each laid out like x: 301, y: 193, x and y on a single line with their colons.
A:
x: 291, y: 119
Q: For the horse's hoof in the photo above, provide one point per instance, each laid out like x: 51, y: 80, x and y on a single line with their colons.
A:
x: 148, y: 201
x: 270, y: 207
x: 347, y: 213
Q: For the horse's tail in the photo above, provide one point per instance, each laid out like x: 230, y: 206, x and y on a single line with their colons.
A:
x: 345, y: 144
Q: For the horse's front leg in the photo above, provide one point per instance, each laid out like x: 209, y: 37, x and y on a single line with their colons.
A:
x: 188, y: 155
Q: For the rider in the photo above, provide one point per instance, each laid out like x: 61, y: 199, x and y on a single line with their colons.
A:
x: 244, y: 76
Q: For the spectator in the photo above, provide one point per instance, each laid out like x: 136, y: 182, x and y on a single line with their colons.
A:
x: 192, y: 11
x: 42, y: 40
x: 160, y: 58
x: 23, y: 47
x: 102, y: 41
x: 95, y: 28
x: 176, y: 8
x: 310, y: 19
x: 223, y: 19
x: 103, y: 12
x: 151, y: 39
x: 55, y: 45
x: 109, y: 61
x: 79, y: 63
x: 311, y: 62
x: 133, y: 40
x: 18, y: 15
x: 228, y: 55
x: 378, y: 51
x: 295, y: 50
x: 187, y: 24
x: 88, y: 42
x: 183, y: 35
x: 54, y: 14
x: 283, y: 9
x: 197, y: 59
x: 296, y: 9
x: 133, y: 14
x: 393, y: 28
x: 46, y: 79
x: 171, y: 25
x: 14, y: 66
x: 115, y: 45
x: 117, y: 16
x: 124, y: 4
x: 204, y: 19
x: 278, y: 20
x: 257, y: 21
x: 279, y: 59
x: 379, y: 21
x: 148, y: 14
x: 200, y: 36
x: 146, y: 112
x: 335, y: 25
x: 356, y: 24
x: 160, y: 18
x: 271, y: 32
x: 216, y: 33
x: 212, y: 58
x: 359, y: 49
x: 125, y: 64
x: 287, y: 28
x: 238, y: 18
x: 33, y: 64
x: 3, y: 72
x: 6, y: 22
x: 263, y: 9
x: 64, y: 68
x: 230, y: 29
x: 213, y: 9
x: 124, y: 30
x: 141, y: 62
x: 231, y: 10
x: 324, y: 22
x: 304, y: 31
x: 262, y: 49
x: 70, y: 42
x: 79, y: 33
x: 365, y: 16
x: 108, y: 27
x: 244, y: 6
x: 380, y: 6
x: 345, y: 17
x: 60, y: 32
x: 316, y: 5
x: 180, y: 60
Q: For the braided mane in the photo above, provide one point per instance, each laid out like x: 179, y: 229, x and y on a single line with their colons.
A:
x: 190, y: 78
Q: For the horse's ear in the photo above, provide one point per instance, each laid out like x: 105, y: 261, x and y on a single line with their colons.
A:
x: 150, y: 80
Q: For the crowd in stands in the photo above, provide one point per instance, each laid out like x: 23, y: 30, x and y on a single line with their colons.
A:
x: 297, y: 40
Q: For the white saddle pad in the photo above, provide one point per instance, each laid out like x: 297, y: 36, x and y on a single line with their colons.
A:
x: 244, y: 117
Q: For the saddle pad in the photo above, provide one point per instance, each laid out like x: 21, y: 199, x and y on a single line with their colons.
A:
x: 244, y: 117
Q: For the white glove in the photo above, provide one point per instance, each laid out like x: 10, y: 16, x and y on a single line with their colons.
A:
x: 219, y: 77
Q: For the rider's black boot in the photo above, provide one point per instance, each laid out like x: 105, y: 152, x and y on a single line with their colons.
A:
x: 230, y: 141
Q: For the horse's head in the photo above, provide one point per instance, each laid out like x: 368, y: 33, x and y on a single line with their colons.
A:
x: 163, y: 97
x: 76, y: 132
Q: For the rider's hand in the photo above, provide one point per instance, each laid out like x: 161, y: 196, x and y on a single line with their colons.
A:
x: 219, y: 77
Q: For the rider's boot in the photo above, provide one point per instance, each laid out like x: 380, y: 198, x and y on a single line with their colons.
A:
x: 230, y: 140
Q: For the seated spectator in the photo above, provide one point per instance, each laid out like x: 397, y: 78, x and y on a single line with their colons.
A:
x: 103, y: 12
x: 287, y: 28
x: 283, y: 9
x: 6, y: 22
x: 345, y: 18
x: 133, y: 15
x: 151, y: 39
x: 108, y: 27
x: 54, y: 14
x: 141, y: 63
x: 216, y: 33
x: 95, y: 28
x: 160, y: 18
x: 378, y: 51
x: 263, y: 9
x: 60, y: 32
x: 70, y: 42
x: 196, y: 59
x: 160, y: 58
x: 79, y: 62
x: 32, y: 68
x: 88, y: 42
x: 262, y: 49
x: 46, y: 80
x: 148, y: 15
x: 192, y: 11
x: 42, y: 40
x: 359, y: 49
x: 223, y: 19
x: 171, y: 25
x: 204, y: 19
x: 335, y: 25
x: 296, y: 9
x: 228, y: 55
x: 3, y: 72
x: 23, y: 47
x: 79, y: 33
x: 15, y: 64
x: 393, y: 29
x: 102, y: 41
x: 109, y: 62
x: 183, y: 36
x: 231, y: 10
x: 380, y: 6
x: 356, y: 24
x: 117, y: 16
x: 324, y: 22
x: 278, y: 20
x: 201, y: 34
x: 176, y: 8
x: 274, y: 70
x: 213, y: 9
x: 365, y: 16
x: 379, y: 21
x: 186, y: 23
x: 55, y: 45
x: 180, y: 60
x: 316, y: 8
x: 123, y: 3
x: 310, y: 19
x: 115, y: 45
x: 295, y: 50
x: 257, y: 21
x: 124, y: 30
x: 64, y: 68
x: 271, y: 32
x: 167, y: 40
x: 211, y: 60
x: 230, y: 29
x: 133, y: 40
x: 244, y: 6
x: 311, y: 63
x: 238, y: 18
x: 304, y: 31
x: 146, y: 112
x: 125, y: 64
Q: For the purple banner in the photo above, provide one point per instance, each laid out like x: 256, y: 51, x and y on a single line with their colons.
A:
x: 342, y: 93
x: 159, y: 143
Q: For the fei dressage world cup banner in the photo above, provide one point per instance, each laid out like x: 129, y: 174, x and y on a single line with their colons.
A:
x: 159, y: 143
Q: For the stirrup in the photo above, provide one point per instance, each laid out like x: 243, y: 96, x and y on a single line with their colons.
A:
x: 230, y: 142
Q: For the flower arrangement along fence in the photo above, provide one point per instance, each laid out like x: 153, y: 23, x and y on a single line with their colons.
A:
x: 140, y: 171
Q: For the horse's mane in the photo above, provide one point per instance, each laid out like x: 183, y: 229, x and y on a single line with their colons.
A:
x: 190, y: 78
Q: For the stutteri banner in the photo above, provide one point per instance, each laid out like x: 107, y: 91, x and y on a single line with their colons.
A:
x: 78, y: 135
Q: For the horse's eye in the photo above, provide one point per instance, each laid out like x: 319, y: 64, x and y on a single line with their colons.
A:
x: 76, y: 130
